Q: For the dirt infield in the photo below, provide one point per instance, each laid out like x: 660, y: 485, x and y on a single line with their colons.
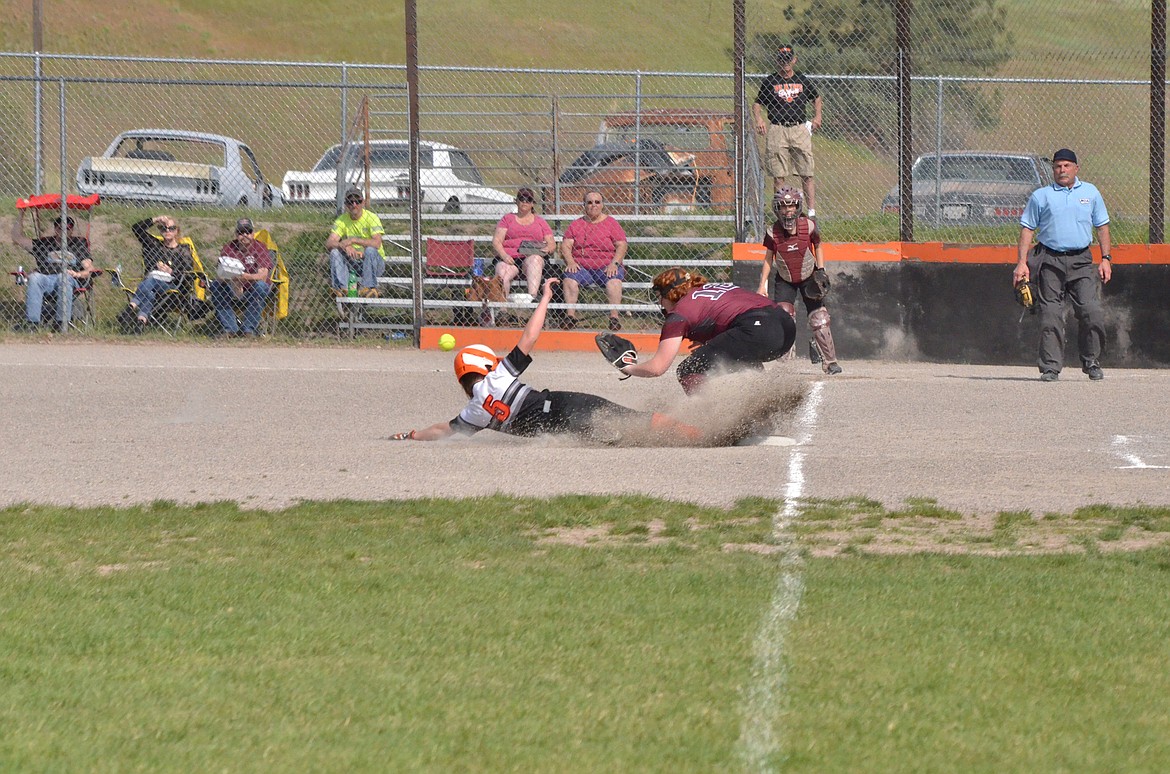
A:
x: 97, y: 423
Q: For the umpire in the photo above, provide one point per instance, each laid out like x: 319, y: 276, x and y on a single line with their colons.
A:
x: 1063, y: 216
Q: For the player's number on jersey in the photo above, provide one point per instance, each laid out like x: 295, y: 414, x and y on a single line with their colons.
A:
x: 713, y: 290
x: 499, y: 410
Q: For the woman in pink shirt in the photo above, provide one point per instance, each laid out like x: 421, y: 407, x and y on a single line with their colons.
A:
x: 522, y: 238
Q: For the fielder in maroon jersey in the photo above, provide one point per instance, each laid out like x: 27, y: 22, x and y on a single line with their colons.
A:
x: 793, y: 260
x: 734, y: 328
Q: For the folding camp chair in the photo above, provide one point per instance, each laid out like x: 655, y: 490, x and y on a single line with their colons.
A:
x: 48, y: 206
x: 277, y: 307
x: 186, y: 303
x: 449, y: 259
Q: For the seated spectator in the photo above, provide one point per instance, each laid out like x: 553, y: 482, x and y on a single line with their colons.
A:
x: 355, y: 245
x: 242, y: 278
x: 169, y: 265
x: 46, y: 278
x: 522, y: 238
x: 594, y: 248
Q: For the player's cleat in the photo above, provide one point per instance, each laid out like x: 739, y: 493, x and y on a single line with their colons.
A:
x: 1094, y: 371
x: 832, y: 368
x: 1048, y: 376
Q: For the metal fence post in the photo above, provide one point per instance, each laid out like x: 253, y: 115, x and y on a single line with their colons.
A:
x: 1157, y: 121
x: 38, y: 131
x: 938, y: 119
x: 637, y: 140
x: 64, y: 286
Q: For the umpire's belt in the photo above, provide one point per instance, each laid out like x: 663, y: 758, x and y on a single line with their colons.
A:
x: 778, y: 123
x: 1062, y: 253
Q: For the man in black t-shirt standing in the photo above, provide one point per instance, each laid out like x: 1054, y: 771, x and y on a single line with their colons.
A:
x: 784, y: 95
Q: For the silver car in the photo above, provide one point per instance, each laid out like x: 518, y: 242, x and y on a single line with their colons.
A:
x: 449, y: 179
x: 971, y: 187
x: 177, y: 167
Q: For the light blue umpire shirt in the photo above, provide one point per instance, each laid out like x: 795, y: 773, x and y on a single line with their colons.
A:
x: 1064, y: 218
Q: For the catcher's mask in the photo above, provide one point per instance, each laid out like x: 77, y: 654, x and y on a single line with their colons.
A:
x: 475, y: 359
x: 786, y: 206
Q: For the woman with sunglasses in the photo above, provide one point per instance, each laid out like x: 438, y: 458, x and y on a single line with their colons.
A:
x: 522, y: 238
x: 167, y: 263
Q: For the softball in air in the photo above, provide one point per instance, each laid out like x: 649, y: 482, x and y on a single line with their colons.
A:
x: 446, y: 342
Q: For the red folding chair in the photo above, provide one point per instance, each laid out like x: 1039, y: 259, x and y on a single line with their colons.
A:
x: 449, y: 259
x: 48, y: 206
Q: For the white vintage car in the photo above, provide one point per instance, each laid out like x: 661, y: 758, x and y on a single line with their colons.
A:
x: 449, y: 179
x: 177, y: 167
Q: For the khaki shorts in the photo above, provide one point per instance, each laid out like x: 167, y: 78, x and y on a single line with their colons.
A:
x: 789, y: 151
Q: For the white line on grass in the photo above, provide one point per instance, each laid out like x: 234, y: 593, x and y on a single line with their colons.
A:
x: 760, y: 732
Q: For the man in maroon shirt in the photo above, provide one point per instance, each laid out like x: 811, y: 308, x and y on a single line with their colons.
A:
x: 734, y: 328
x: 250, y: 288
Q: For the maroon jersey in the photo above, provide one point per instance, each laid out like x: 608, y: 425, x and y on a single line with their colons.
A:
x: 794, y: 257
x: 709, y: 310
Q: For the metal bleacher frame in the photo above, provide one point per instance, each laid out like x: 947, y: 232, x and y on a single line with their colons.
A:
x: 352, y: 309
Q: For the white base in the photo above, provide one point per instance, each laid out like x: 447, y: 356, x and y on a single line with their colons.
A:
x: 769, y: 440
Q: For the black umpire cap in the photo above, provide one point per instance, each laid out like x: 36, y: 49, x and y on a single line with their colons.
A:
x: 1064, y: 154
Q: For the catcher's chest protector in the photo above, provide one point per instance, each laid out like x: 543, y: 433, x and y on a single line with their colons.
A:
x: 794, y: 257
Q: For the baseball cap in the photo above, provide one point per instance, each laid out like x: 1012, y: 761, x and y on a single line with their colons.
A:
x: 1064, y: 154
x: 244, y: 226
x: 785, y: 53
x: 354, y: 195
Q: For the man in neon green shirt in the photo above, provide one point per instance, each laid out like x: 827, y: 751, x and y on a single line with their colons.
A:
x: 355, y: 244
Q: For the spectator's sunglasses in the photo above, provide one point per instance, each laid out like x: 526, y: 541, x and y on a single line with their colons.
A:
x: 525, y: 198
x: 351, y: 202
x: 593, y: 201
x: 168, y: 228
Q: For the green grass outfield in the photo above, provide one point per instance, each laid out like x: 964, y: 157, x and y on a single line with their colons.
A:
x: 578, y: 634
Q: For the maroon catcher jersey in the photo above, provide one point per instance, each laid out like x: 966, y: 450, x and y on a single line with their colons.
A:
x: 709, y: 310
x: 795, y: 260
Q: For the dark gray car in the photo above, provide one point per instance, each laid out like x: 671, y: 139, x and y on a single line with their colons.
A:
x: 972, y: 187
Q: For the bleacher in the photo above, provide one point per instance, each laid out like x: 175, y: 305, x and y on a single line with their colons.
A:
x: 394, y: 310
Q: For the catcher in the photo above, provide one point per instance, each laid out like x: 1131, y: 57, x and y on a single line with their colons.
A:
x: 801, y: 268
x: 734, y: 328
x: 500, y: 401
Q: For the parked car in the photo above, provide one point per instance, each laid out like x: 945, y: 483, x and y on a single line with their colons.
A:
x: 657, y: 159
x: 449, y: 179
x: 177, y: 167
x: 971, y: 187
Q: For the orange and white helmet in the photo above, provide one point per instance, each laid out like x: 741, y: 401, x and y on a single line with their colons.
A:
x: 475, y: 359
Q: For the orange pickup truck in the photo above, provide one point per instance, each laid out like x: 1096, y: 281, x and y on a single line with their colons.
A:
x: 657, y: 160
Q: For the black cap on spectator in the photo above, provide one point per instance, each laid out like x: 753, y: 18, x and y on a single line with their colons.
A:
x: 1064, y: 154
x: 785, y: 53
x: 244, y: 226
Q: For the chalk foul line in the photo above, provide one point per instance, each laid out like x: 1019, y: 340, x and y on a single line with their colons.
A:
x: 761, y: 740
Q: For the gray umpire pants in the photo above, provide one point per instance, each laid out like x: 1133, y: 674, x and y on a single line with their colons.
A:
x: 1075, y: 277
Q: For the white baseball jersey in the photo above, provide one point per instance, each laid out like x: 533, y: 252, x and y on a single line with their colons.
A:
x: 495, y: 398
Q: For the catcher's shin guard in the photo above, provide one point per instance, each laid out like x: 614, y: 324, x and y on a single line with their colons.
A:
x: 663, y: 423
x: 818, y: 321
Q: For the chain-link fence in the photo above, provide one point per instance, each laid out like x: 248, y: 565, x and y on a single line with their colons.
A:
x: 930, y: 94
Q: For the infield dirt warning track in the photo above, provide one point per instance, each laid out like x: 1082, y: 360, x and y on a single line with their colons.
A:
x: 115, y: 424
